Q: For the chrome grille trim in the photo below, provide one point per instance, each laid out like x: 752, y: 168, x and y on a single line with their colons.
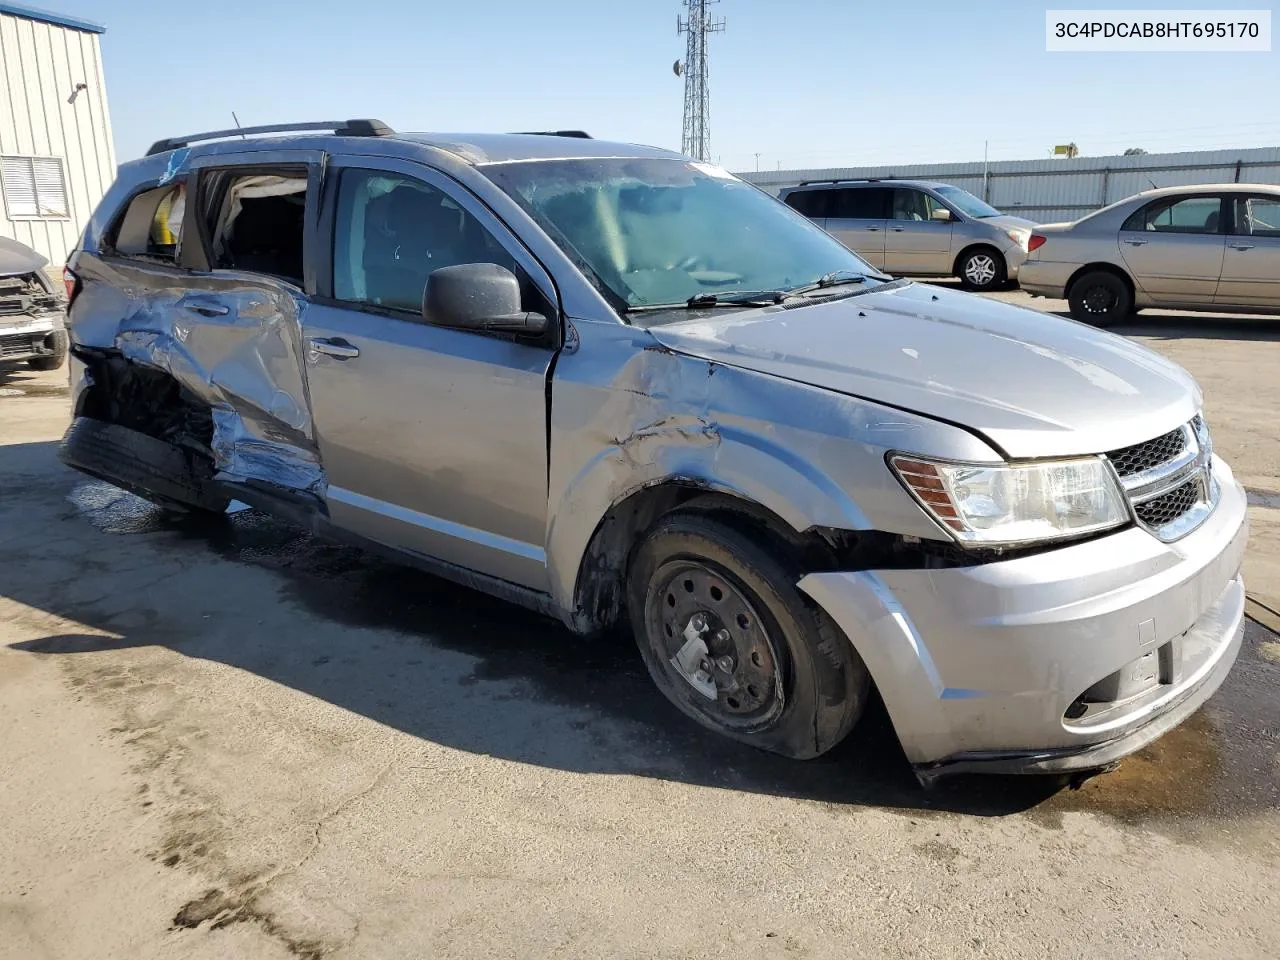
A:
x: 1188, y: 453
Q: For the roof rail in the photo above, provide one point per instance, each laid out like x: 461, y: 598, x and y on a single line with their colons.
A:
x: 578, y: 134
x: 340, y: 128
x: 805, y: 183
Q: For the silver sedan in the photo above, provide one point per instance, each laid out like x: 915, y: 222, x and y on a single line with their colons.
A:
x: 1213, y: 247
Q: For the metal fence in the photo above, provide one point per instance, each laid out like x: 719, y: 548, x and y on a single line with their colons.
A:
x: 1050, y: 190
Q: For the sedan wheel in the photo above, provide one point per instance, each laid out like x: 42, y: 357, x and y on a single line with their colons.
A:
x: 1100, y: 298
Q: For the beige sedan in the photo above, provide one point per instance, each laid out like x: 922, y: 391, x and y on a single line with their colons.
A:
x: 1212, y: 247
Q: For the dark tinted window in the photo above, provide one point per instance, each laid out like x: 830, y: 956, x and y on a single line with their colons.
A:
x: 256, y: 220
x: 859, y: 203
x: 1177, y: 215
x: 812, y: 203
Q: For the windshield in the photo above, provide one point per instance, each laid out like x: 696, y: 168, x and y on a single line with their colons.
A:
x: 966, y: 202
x: 661, y: 231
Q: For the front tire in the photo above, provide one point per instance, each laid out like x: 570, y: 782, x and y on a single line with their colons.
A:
x: 982, y: 269
x: 734, y: 645
x: 1100, y: 298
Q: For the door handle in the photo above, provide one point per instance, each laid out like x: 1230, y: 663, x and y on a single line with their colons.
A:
x: 1242, y: 246
x: 873, y: 229
x: 335, y: 347
x: 208, y: 309
x: 1135, y: 242
x: 897, y: 229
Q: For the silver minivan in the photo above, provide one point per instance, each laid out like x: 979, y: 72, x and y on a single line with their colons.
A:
x: 917, y: 228
x: 620, y: 386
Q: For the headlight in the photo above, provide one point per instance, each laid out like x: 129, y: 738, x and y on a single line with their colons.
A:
x: 1020, y: 237
x: 1015, y: 504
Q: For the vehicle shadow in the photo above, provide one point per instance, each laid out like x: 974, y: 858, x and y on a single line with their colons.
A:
x: 398, y: 665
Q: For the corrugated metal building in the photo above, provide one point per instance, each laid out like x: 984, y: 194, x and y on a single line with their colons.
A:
x: 1050, y: 190
x: 56, y: 154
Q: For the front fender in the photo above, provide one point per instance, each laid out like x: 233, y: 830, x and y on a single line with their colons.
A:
x: 627, y: 414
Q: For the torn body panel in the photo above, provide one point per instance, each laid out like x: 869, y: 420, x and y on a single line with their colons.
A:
x: 233, y: 341
x: 628, y: 414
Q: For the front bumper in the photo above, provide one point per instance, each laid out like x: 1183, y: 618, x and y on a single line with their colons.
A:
x: 25, y: 337
x: 1005, y: 667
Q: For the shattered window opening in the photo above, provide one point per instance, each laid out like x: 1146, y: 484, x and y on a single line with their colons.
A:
x: 260, y: 226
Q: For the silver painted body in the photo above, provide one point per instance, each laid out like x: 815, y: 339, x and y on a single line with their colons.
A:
x: 905, y: 247
x: 1226, y: 269
x: 505, y: 457
x: 22, y: 324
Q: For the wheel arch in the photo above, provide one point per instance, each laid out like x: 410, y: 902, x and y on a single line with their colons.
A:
x: 1101, y: 266
x: 973, y: 246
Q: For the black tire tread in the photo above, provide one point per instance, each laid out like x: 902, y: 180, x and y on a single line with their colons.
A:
x: 151, y: 468
x: 57, y: 358
x: 837, y: 677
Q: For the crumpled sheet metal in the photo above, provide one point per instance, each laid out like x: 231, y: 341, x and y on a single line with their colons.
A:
x: 247, y: 365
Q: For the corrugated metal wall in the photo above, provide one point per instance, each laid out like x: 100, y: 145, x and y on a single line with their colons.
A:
x: 1050, y: 190
x: 40, y: 64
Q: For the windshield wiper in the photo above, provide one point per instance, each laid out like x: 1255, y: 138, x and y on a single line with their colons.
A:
x: 835, y: 279
x: 730, y: 298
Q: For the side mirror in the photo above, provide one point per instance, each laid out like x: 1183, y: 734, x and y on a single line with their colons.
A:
x: 941, y: 214
x: 478, y: 296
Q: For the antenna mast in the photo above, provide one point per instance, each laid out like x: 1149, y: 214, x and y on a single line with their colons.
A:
x: 696, y: 138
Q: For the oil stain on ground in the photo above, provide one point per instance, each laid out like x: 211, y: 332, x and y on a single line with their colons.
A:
x: 1223, y: 762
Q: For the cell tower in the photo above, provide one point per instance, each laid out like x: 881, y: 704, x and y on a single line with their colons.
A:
x: 696, y: 139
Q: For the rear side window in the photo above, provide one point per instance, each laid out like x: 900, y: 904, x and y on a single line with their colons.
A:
x: 256, y: 221
x: 1177, y: 215
x: 151, y: 227
x: 854, y: 203
x: 812, y: 203
x: 1258, y: 216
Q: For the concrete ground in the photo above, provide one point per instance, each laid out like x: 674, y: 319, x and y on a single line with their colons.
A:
x: 229, y: 740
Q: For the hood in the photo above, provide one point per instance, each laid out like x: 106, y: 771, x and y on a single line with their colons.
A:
x: 1033, y: 384
x: 18, y: 258
x: 1008, y: 222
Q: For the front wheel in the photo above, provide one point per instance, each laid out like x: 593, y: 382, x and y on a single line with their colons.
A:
x: 983, y: 269
x: 1100, y: 298
x: 734, y: 645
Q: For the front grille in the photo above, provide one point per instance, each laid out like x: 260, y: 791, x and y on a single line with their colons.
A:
x: 1143, y: 456
x: 1171, y: 506
x: 18, y: 344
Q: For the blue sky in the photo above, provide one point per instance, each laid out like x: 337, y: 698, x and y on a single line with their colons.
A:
x: 802, y: 82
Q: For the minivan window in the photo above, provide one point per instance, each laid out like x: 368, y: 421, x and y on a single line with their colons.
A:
x: 913, y: 205
x: 966, y: 202
x: 812, y: 203
x: 392, y: 231
x: 658, y: 231
x: 859, y: 203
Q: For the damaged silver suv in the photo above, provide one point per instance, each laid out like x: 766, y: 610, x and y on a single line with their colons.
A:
x: 608, y: 381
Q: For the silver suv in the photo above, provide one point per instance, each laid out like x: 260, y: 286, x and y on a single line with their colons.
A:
x: 916, y: 228
x: 612, y: 383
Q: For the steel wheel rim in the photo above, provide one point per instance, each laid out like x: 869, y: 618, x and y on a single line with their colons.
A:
x: 1098, y: 299
x: 980, y: 270
x: 738, y: 657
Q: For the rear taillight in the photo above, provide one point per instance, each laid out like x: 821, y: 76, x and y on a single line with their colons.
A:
x: 1036, y: 242
x: 72, y: 285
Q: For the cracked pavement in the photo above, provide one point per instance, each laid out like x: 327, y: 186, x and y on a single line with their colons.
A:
x: 231, y: 740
